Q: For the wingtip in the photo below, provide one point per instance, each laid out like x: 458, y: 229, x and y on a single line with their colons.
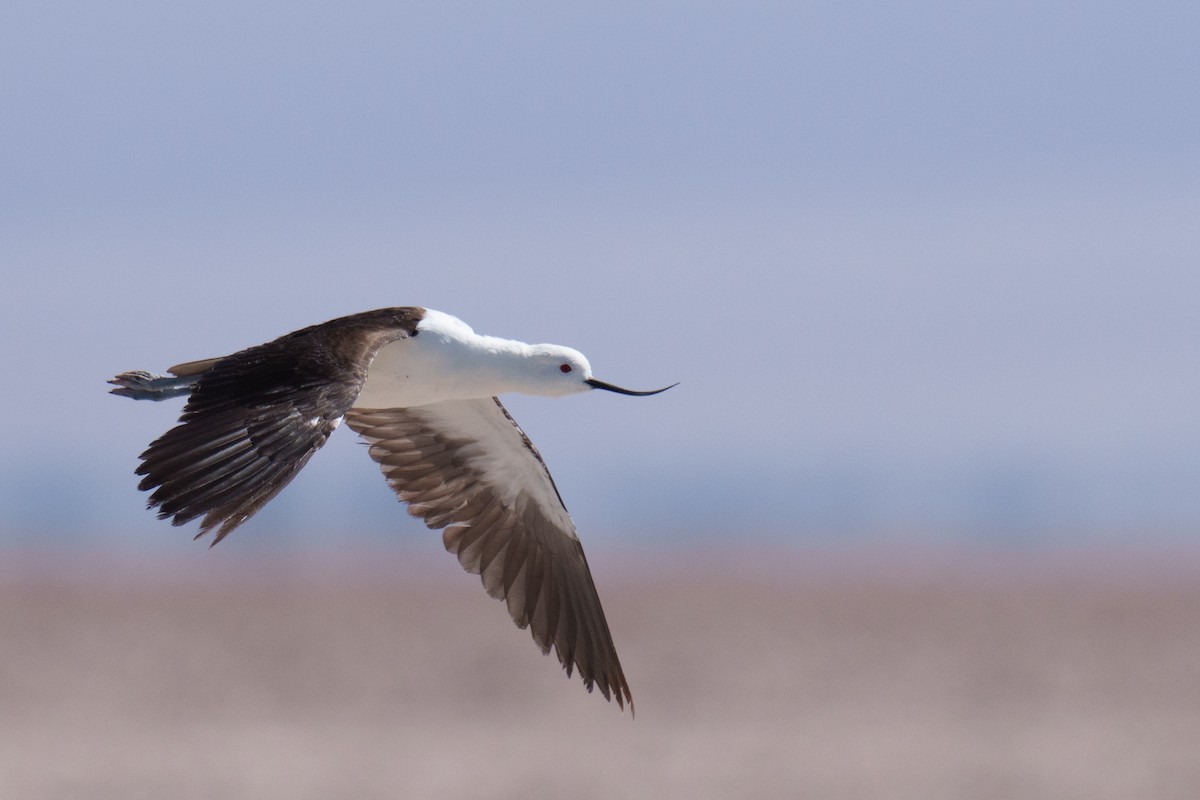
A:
x: 622, y: 693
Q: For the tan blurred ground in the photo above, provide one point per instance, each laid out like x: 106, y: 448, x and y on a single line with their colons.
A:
x: 211, y: 680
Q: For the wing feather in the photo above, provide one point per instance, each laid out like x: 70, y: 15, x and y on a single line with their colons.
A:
x: 466, y: 467
x: 255, y: 418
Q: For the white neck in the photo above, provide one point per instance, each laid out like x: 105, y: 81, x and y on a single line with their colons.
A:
x: 447, y: 360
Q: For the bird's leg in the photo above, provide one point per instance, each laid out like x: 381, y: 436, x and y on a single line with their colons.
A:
x: 142, y: 385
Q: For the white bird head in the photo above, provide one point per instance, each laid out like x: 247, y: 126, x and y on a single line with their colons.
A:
x: 560, y: 371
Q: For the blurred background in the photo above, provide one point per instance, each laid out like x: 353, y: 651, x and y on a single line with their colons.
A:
x: 927, y: 274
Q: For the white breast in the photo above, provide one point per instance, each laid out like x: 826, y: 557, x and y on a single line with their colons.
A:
x: 446, y: 360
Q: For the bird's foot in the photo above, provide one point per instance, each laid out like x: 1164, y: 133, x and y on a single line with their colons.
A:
x: 142, y: 385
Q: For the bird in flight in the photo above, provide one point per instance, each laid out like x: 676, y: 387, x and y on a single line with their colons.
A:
x: 420, y: 387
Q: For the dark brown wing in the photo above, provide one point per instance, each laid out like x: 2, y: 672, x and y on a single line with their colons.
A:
x: 255, y: 418
x: 467, y: 467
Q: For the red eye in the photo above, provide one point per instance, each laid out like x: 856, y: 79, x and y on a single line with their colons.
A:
x: 565, y: 368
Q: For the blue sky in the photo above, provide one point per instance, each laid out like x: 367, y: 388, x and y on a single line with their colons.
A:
x: 922, y: 268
